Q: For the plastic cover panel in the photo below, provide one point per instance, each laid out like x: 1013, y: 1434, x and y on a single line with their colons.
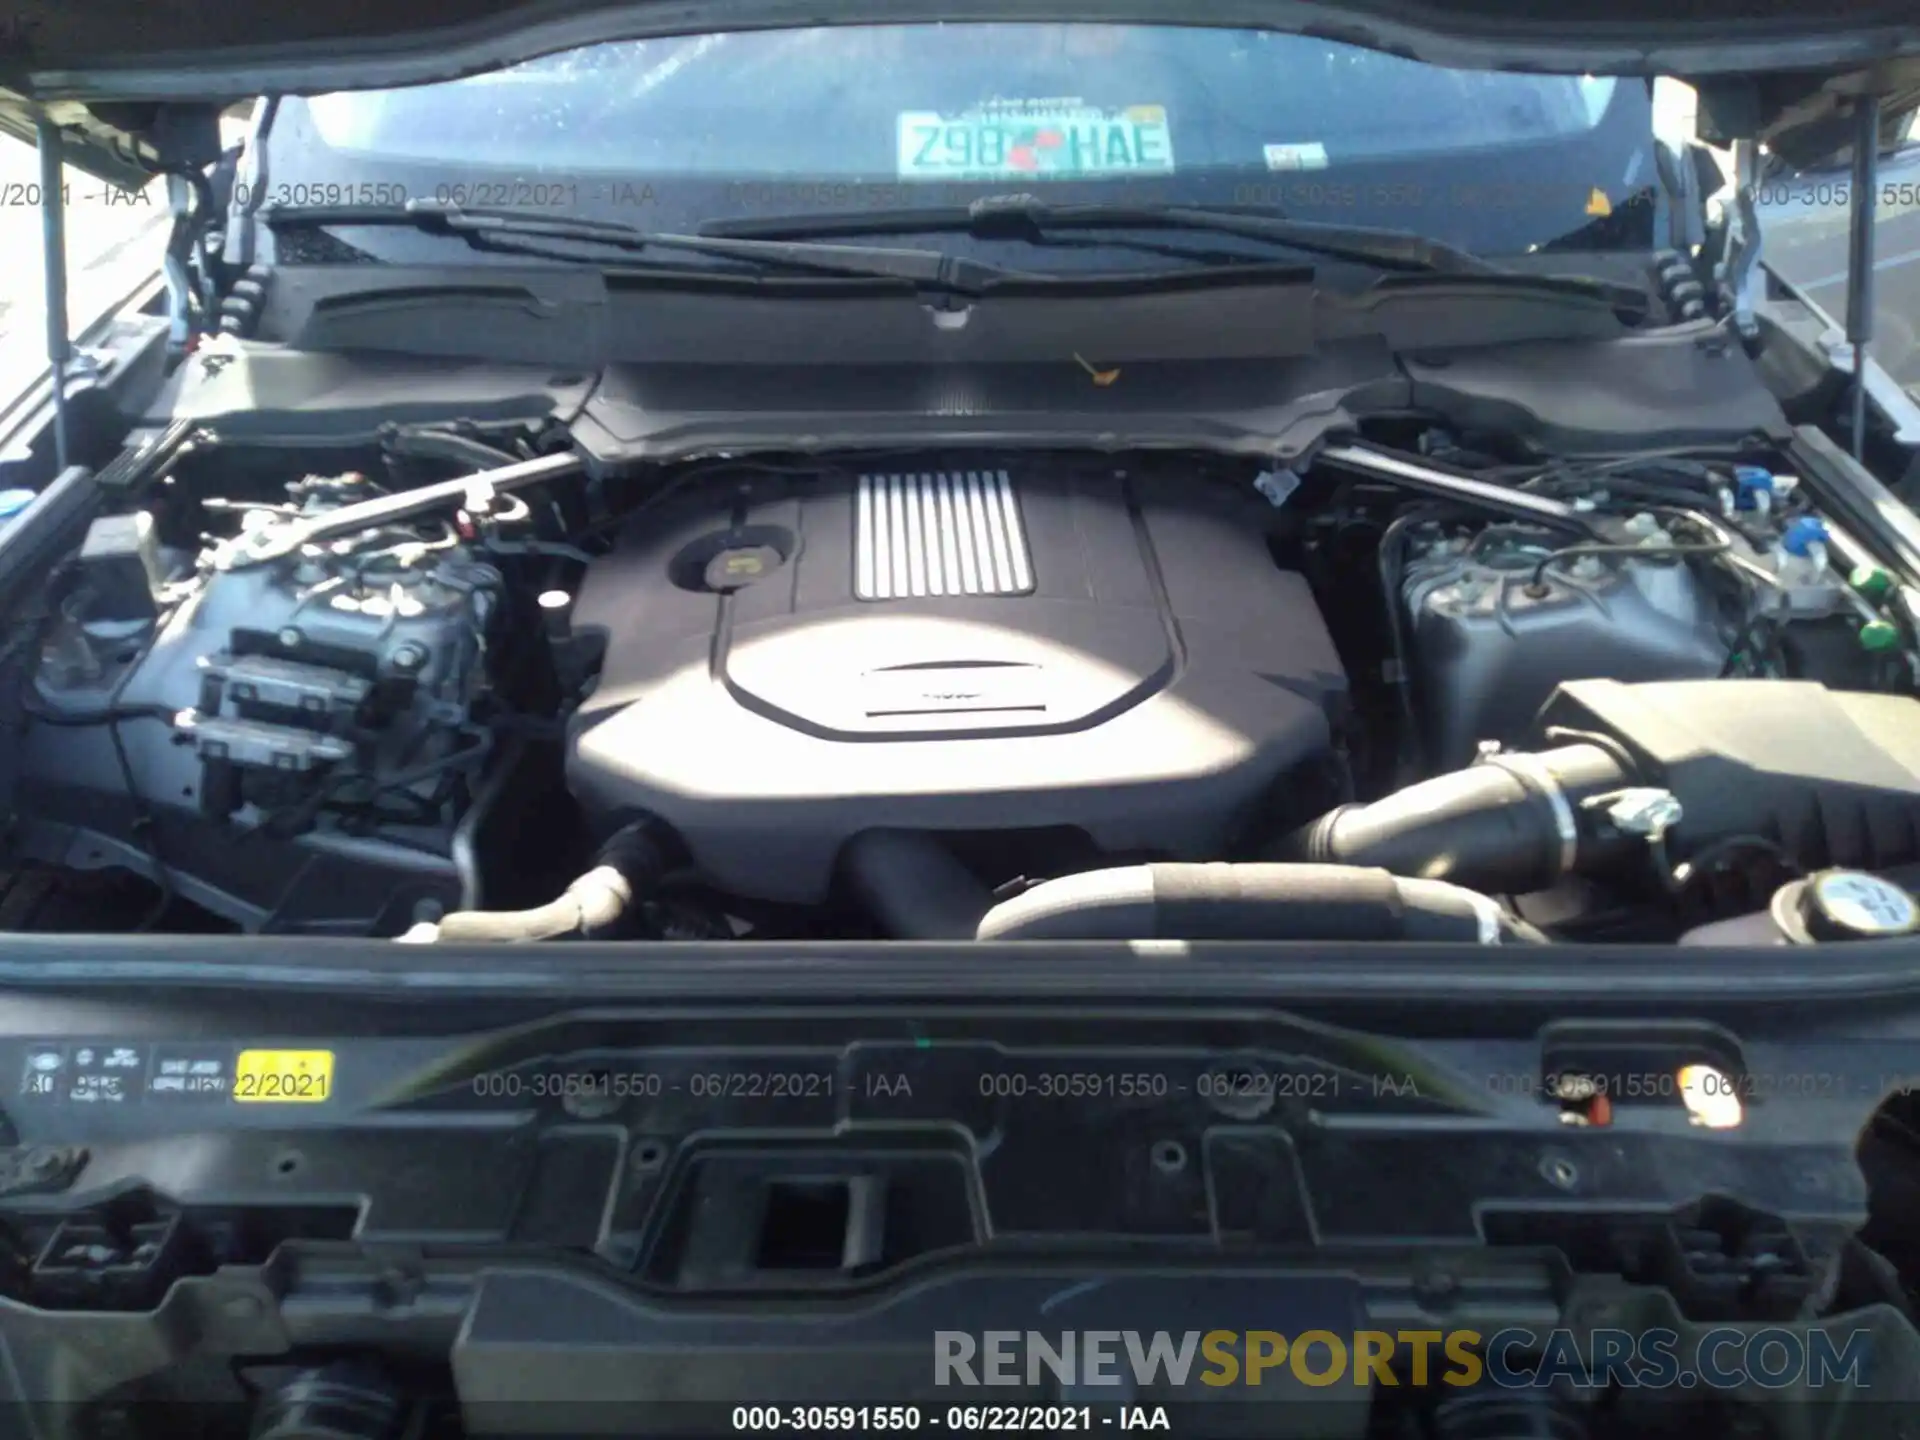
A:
x: 1160, y: 675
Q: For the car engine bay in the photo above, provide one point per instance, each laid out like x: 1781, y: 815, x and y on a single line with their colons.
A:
x: 1427, y: 686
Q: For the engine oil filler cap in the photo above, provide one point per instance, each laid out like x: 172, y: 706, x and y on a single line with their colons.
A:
x: 1844, y: 905
x: 740, y: 567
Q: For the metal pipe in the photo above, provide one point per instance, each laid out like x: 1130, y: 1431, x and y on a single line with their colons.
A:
x: 1866, y: 180
x: 1429, y: 480
x: 287, y: 537
x: 1740, y: 270
x: 53, y: 237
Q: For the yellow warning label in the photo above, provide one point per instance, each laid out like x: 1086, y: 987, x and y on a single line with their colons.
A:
x: 1598, y: 204
x: 283, y: 1077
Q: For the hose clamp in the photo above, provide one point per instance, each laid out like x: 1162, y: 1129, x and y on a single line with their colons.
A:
x: 1487, y: 917
x: 1533, y: 773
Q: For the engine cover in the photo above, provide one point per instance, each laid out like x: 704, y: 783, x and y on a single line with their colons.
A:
x: 791, y: 661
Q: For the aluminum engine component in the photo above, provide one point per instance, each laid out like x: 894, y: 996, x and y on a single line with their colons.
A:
x: 1487, y: 646
x: 272, y: 667
x: 792, y: 661
x: 358, y: 657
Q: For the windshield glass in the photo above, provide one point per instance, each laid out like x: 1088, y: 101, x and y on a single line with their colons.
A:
x: 670, y: 133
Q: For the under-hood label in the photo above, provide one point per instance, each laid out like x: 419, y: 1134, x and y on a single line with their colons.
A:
x: 108, y: 1072
x: 1034, y: 140
x: 105, y: 1074
x: 283, y: 1077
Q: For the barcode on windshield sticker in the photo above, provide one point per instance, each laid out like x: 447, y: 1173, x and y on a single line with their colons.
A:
x: 1311, y: 155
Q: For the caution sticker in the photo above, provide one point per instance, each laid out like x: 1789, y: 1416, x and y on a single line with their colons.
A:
x: 283, y: 1077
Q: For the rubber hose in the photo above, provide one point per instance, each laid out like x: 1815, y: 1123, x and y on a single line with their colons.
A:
x: 913, y: 886
x: 1251, y: 902
x: 1509, y: 825
x: 447, y: 445
x: 629, y: 867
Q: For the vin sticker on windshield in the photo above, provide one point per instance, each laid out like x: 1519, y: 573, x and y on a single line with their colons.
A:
x: 1311, y: 155
x: 1035, y: 140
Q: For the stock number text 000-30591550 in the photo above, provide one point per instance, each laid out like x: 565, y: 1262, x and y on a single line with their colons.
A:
x: 958, y: 1419
x: 625, y: 1085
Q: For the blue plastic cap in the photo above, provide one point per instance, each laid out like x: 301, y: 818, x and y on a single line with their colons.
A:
x: 1749, y: 481
x: 1803, y: 534
x: 12, y: 502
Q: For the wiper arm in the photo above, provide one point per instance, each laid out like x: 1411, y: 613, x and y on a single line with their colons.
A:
x: 1026, y: 217
x: 521, y: 232
x: 1015, y: 217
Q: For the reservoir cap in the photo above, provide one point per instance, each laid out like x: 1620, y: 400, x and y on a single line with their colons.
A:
x: 1846, y: 905
x: 1879, y: 636
x: 1749, y: 483
x: 1871, y: 581
x: 1802, y: 535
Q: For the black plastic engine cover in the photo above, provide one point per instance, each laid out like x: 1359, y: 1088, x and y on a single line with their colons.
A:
x: 793, y: 660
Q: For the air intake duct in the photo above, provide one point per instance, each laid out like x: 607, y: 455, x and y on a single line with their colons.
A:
x: 1507, y: 824
x: 1830, y: 778
x: 1251, y: 902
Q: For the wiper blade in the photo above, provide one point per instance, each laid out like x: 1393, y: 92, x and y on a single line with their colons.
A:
x: 1016, y: 217
x: 1026, y: 217
x: 522, y: 232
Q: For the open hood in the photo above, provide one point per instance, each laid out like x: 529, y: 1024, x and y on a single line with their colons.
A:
x: 1779, y: 71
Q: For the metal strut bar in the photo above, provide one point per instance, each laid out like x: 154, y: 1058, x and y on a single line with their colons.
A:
x: 1866, y: 180
x: 53, y: 235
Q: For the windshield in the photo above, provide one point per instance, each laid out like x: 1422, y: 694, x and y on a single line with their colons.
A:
x: 672, y: 133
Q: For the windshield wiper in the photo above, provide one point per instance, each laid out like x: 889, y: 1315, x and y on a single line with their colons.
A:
x: 1035, y: 221
x: 522, y: 232
x: 792, y: 243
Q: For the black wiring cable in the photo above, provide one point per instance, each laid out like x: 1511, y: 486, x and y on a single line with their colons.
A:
x: 146, y: 829
x: 709, y: 469
x: 425, y: 442
x: 145, y: 824
x: 1645, y: 552
x: 1689, y: 458
x: 291, y: 818
x: 1392, y: 574
x: 1757, y: 639
x: 1682, y: 876
x: 706, y: 470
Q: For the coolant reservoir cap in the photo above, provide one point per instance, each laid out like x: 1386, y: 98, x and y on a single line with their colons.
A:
x: 1845, y: 905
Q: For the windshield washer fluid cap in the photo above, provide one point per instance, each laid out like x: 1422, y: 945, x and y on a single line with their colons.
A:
x: 1145, y: 672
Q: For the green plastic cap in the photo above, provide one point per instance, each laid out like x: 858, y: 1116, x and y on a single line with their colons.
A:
x: 1879, y: 635
x: 1871, y: 581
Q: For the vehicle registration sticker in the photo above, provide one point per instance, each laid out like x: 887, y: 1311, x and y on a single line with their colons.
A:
x: 1015, y: 142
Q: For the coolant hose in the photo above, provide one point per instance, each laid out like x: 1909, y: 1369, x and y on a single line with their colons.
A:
x: 628, y: 867
x: 1331, y: 903
x: 1506, y: 825
x: 913, y: 886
